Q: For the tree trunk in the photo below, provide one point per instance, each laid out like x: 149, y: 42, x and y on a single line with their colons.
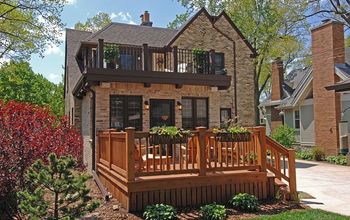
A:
x: 56, y: 206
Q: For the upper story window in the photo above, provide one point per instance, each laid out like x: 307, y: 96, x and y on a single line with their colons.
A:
x: 219, y: 63
x: 296, y: 119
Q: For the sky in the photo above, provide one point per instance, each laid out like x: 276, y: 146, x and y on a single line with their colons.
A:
x: 126, y: 11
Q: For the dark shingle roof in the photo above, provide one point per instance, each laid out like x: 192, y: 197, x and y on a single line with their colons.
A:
x: 133, y: 34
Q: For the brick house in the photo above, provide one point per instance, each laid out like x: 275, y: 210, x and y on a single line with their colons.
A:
x: 157, y: 79
x: 301, y: 100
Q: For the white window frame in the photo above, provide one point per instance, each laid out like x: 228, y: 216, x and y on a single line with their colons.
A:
x: 294, y: 111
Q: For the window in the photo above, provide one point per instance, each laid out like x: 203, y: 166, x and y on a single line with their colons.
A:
x: 126, y: 111
x: 225, y: 115
x: 194, y: 112
x: 296, y: 119
x: 219, y: 63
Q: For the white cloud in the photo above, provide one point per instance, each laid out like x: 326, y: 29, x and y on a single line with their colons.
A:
x: 71, y: 2
x: 124, y: 17
x: 52, y: 49
x: 54, y: 77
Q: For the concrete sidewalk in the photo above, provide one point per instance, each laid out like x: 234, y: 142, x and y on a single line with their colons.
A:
x: 329, y: 185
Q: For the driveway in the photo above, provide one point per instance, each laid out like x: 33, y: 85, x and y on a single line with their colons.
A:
x: 329, y: 185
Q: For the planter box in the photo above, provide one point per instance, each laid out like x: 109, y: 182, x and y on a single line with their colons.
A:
x: 229, y: 137
x: 155, y: 139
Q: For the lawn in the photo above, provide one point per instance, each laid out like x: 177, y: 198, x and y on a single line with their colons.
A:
x: 307, y: 214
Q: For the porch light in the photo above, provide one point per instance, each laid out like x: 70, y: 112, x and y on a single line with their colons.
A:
x: 179, y: 105
x: 281, y: 113
x: 146, y: 105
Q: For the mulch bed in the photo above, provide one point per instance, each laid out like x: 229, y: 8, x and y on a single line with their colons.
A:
x: 113, y: 210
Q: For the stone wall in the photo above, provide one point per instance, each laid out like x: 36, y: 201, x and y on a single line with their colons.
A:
x: 221, y: 37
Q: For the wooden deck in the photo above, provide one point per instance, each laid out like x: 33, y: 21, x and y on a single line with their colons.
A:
x: 198, y: 171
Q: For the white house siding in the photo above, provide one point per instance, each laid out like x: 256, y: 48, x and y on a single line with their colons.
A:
x: 86, y: 131
x: 307, y: 128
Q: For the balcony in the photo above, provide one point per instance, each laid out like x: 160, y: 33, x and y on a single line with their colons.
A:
x: 107, y: 62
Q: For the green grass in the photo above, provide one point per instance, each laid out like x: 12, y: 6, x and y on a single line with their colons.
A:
x: 309, y: 214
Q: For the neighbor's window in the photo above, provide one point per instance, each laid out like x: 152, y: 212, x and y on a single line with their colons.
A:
x: 219, y: 63
x: 126, y: 111
x: 296, y: 119
x: 194, y: 112
x: 225, y: 116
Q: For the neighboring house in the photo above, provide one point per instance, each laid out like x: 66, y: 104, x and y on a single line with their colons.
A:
x: 300, y: 99
x: 158, y: 77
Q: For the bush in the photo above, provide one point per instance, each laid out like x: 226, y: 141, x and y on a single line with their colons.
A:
x: 54, y: 192
x: 284, y: 135
x: 317, y: 154
x: 304, y: 155
x: 213, y: 212
x: 245, y: 202
x: 29, y: 133
x: 339, y: 160
x: 159, y: 211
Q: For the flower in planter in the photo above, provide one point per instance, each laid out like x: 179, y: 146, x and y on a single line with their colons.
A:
x: 168, y: 135
x: 233, y: 133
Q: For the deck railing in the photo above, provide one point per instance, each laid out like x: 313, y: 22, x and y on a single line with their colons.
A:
x: 146, y: 58
x: 132, y: 154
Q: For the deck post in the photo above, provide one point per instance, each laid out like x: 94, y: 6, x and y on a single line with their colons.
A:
x: 201, y: 151
x: 292, y: 174
x: 130, y: 151
x: 145, y: 57
x: 100, y: 53
x: 175, y: 59
x: 262, y: 159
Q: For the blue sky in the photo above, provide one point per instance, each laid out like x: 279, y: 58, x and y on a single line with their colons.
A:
x: 126, y: 11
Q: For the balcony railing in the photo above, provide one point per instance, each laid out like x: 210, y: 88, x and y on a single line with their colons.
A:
x: 153, y: 59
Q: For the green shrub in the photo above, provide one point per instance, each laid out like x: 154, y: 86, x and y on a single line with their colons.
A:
x: 340, y: 160
x: 304, y: 155
x: 213, y: 212
x: 317, y: 154
x: 159, y: 211
x: 284, y: 135
x: 245, y: 202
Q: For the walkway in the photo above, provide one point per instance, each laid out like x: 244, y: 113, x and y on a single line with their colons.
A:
x: 329, y: 185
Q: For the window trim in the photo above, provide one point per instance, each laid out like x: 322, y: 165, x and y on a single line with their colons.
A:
x: 229, y: 112
x: 294, y: 119
x: 125, y: 106
x: 194, y: 110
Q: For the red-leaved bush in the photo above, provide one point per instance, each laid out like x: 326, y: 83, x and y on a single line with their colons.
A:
x: 28, y: 133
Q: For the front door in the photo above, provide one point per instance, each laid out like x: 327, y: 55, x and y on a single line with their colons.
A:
x: 162, y: 112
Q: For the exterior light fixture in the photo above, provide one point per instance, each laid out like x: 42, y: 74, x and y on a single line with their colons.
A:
x: 281, y: 113
x: 179, y: 105
x: 146, y: 103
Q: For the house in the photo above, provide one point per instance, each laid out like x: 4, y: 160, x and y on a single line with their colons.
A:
x: 301, y: 100
x: 199, y: 75
x: 125, y: 79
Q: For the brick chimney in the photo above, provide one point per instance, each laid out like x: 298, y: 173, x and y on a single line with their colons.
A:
x: 277, y: 79
x: 145, y: 19
x: 327, y: 50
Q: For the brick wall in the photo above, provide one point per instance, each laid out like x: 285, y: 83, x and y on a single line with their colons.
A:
x: 327, y: 49
x: 202, y: 34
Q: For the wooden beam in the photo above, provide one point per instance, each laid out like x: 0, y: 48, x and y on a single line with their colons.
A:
x: 100, y: 53
x: 175, y: 59
x: 145, y: 57
x: 130, y: 153
x: 292, y: 174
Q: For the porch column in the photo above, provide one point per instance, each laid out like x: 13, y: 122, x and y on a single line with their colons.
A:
x: 130, y: 152
x: 100, y: 47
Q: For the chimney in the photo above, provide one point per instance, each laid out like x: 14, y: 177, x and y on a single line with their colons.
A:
x: 277, y: 79
x: 327, y: 50
x: 145, y: 19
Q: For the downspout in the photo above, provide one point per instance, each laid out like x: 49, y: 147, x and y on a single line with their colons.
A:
x: 234, y: 69
x: 93, y: 125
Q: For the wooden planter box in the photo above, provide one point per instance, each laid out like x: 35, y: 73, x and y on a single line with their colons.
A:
x: 229, y: 137
x: 155, y: 139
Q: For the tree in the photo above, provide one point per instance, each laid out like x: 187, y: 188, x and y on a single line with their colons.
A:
x: 28, y: 133
x: 273, y: 27
x: 19, y: 82
x: 95, y: 23
x: 27, y: 26
x: 70, y: 197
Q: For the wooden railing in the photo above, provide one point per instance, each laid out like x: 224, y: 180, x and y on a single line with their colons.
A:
x: 132, y: 154
x: 281, y: 162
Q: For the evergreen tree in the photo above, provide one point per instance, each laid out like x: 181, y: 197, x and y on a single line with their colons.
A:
x: 69, y: 195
